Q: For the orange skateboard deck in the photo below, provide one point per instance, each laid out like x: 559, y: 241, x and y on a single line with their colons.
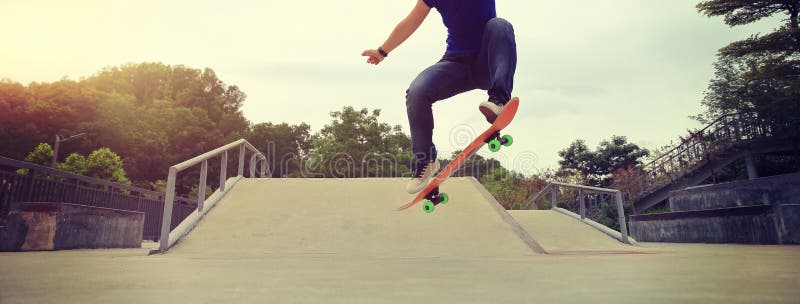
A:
x: 491, y: 136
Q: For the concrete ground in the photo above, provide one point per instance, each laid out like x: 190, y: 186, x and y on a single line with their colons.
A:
x: 680, y: 273
x: 342, y: 241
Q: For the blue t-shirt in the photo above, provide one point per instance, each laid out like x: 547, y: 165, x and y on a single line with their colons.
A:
x: 465, y: 21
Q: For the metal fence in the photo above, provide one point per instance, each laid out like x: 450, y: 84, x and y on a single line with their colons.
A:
x: 593, y: 205
x: 26, y: 182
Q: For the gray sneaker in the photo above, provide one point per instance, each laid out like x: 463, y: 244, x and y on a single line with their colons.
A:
x: 490, y: 110
x: 425, y: 176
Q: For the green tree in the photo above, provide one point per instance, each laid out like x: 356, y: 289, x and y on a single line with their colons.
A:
x: 617, y: 153
x: 153, y: 115
x: 157, y: 115
x: 759, y: 73
x: 513, y: 190
x: 284, y: 145
x: 107, y: 165
x: 75, y: 163
x: 181, y: 85
x: 476, y: 166
x: 356, y: 144
x: 739, y: 12
x: 41, y: 155
x: 14, y: 139
x: 599, y: 165
x: 577, y: 158
x: 39, y: 111
x: 497, y: 181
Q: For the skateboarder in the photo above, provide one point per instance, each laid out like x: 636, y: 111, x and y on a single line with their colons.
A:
x: 481, y: 54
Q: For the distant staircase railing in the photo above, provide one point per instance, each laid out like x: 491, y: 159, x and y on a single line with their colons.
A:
x: 169, y: 237
x: 701, y: 146
x: 596, y: 196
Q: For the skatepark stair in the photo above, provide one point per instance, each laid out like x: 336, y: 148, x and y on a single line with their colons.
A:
x: 728, y: 139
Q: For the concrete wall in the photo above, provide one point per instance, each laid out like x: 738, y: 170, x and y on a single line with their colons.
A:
x: 774, y: 190
x: 57, y: 226
x: 788, y: 225
x: 766, y: 224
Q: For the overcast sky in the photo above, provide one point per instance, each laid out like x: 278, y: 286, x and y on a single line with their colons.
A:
x: 586, y: 69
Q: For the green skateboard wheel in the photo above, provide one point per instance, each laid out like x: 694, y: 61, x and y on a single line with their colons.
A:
x: 508, y: 140
x: 494, y: 145
x: 427, y: 206
x: 444, y: 198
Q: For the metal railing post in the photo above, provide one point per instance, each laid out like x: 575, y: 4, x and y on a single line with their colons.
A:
x: 583, y: 204
x: 73, y: 195
x: 240, y: 172
x: 623, y: 225
x: 110, y: 194
x: 253, y: 160
x: 553, y: 196
x: 223, y: 172
x: 201, y: 191
x: 139, y: 201
x: 166, y: 220
x: 29, y: 186
x: 264, y: 167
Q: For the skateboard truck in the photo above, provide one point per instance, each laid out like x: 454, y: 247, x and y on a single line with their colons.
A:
x: 495, y: 141
x: 434, y: 198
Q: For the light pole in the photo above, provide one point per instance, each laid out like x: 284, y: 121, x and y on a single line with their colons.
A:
x: 59, y: 140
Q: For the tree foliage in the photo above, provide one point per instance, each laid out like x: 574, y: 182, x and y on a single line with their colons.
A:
x: 284, y: 145
x: 75, y: 163
x: 356, y: 144
x: 101, y: 163
x: 776, y: 99
x: 761, y: 73
x: 153, y: 115
x: 41, y: 155
x: 629, y: 180
x: 476, y: 166
x: 740, y: 12
x: 512, y: 190
x: 597, y: 166
x: 105, y: 164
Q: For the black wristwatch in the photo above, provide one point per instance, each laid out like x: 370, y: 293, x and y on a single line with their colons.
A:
x: 382, y: 52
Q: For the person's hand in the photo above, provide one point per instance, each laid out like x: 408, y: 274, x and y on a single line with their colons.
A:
x: 374, y: 56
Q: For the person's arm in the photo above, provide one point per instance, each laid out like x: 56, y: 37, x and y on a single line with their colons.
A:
x: 401, y: 32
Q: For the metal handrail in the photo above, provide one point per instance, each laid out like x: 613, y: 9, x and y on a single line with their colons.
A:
x: 587, y: 188
x: 553, y: 188
x: 725, y: 131
x: 694, y: 136
x: 165, y: 242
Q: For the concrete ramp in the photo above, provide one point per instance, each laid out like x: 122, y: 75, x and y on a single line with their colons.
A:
x: 357, y: 217
x: 559, y: 233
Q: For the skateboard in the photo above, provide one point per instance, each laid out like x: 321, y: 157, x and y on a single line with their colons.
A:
x: 430, y: 194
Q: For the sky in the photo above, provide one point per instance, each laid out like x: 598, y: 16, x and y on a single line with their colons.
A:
x: 586, y: 69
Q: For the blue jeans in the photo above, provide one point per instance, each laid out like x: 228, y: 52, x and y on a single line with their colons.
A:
x: 491, y: 69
